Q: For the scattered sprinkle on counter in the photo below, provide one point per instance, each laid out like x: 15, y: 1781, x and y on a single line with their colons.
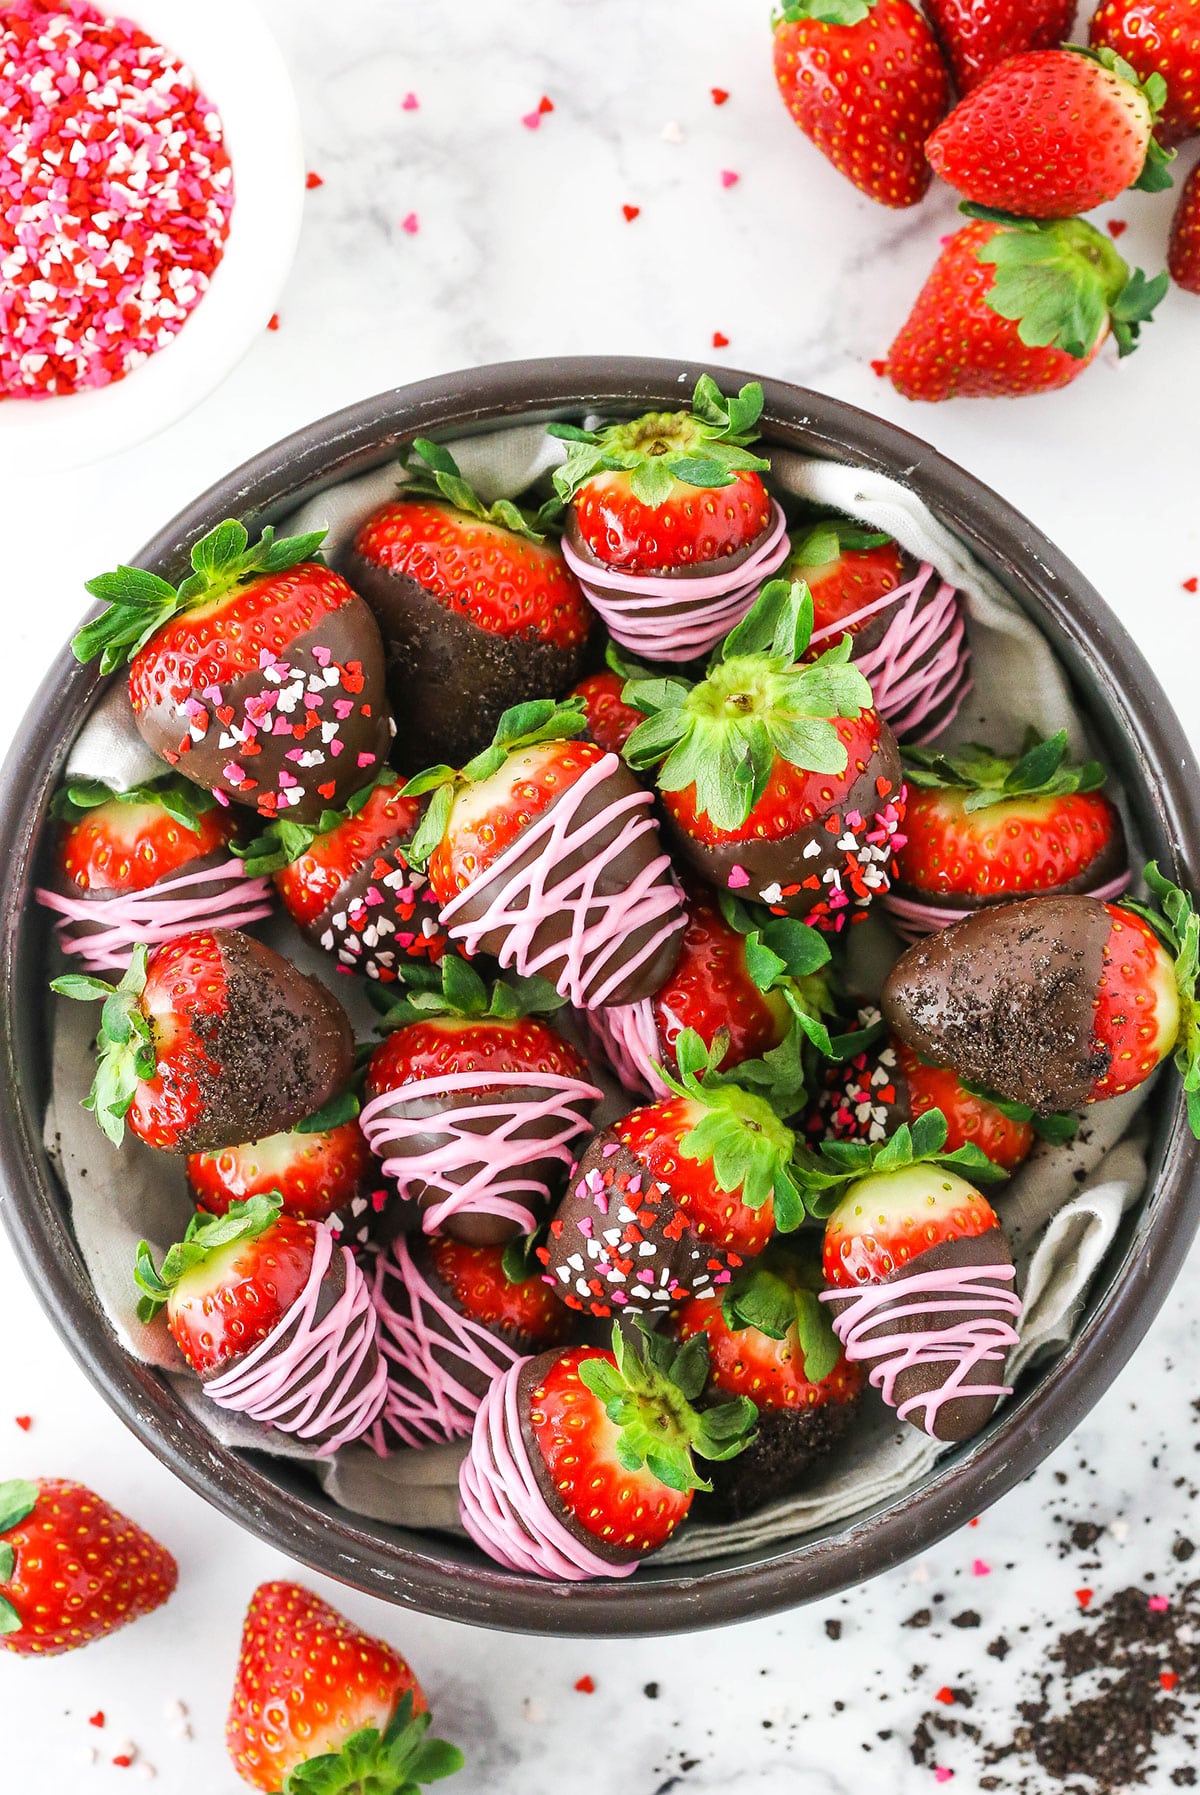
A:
x: 720, y: 95
x: 631, y: 212
x: 24, y: 1422
x: 1192, y: 584
x: 720, y: 340
x: 586, y: 1686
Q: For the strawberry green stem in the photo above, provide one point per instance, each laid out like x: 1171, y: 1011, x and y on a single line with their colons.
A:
x: 206, y: 1235
x: 824, y: 1173
x: 1174, y: 920
x: 989, y: 778
x: 397, y: 1761
x: 125, y: 1044
x: 432, y: 472
x: 455, y: 988
x: 705, y: 447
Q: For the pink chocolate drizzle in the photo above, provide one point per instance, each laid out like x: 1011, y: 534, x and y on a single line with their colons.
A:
x: 158, y: 914
x: 982, y: 1337
x: 301, y: 1378
x: 627, y: 1036
x: 638, y: 608
x: 922, y: 665
x: 912, y: 919
x: 428, y: 1403
x: 497, y: 1160
x: 502, y: 1507
x: 592, y: 961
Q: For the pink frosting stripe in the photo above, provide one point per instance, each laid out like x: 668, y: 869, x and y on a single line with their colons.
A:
x: 592, y: 961
x: 627, y: 1036
x: 633, y: 605
x: 922, y: 664
x: 502, y: 1507
x: 912, y: 919
x: 496, y: 1161
x: 300, y: 1379
x: 434, y: 1405
x: 980, y: 1339
x: 154, y: 917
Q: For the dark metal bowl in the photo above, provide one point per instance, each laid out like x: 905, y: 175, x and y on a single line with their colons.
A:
x: 1144, y: 744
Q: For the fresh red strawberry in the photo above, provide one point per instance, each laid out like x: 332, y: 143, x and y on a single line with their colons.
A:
x: 1057, y: 1001
x: 845, y: 568
x: 544, y: 852
x: 500, y: 1288
x: 260, y: 677
x: 1157, y: 37
x: 1018, y: 308
x: 320, y: 1708
x: 778, y: 780
x: 1053, y: 133
x: 866, y: 81
x: 477, y: 607
x: 212, y: 1040
x: 314, y: 1173
x: 473, y: 1103
x: 1183, y: 257
x: 977, y: 39
x: 582, y: 1460
x: 71, y: 1568
x: 610, y: 721
x: 347, y: 883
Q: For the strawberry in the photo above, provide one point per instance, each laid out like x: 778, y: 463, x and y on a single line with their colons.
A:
x: 670, y: 527
x: 473, y: 1103
x: 1053, y: 133
x: 1058, y: 1001
x: 543, y: 852
x: 71, y: 1568
x: 778, y: 780
x: 582, y: 1461
x: 212, y: 1040
x: 866, y: 81
x: 1183, y: 257
x: 917, y: 1269
x: 477, y: 608
x: 984, y: 828
x: 1157, y: 37
x: 610, y: 721
x: 316, y: 1174
x: 259, y: 678
x: 274, y: 1318
x: 146, y: 864
x: 319, y: 1708
x: 977, y: 39
x: 346, y: 881
x: 1018, y: 307
x: 846, y: 568
x: 671, y: 1200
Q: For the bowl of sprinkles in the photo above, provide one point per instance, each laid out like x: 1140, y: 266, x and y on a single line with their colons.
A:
x: 147, y: 216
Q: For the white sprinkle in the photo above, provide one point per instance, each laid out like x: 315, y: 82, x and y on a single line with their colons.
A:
x: 533, y: 1711
x: 1119, y: 1530
x: 674, y: 133
x: 919, y: 1574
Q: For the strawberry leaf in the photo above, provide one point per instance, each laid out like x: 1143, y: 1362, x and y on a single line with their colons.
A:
x: 339, y: 1110
x: 990, y: 778
x: 1063, y: 283
x: 1134, y: 306
x: 397, y: 1761
x: 701, y: 448
x: 827, y: 12
x: 125, y: 1043
x: 432, y: 472
x: 17, y: 1499
x: 1173, y: 918
x: 206, y: 1235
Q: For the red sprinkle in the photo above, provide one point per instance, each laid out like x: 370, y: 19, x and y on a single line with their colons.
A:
x: 720, y: 95
x: 945, y: 1695
x: 586, y: 1686
x: 24, y: 1422
x: 974, y: 1522
x: 1192, y: 585
x: 631, y: 212
x: 879, y: 367
x: 1168, y: 1679
x: 545, y: 105
x: 720, y: 340
x: 1084, y: 1596
x: 273, y: 321
x: 96, y: 1719
x: 123, y: 1761
x: 313, y: 180
x: 1117, y: 227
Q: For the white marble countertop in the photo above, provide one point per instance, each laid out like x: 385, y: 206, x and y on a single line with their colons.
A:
x: 521, y: 248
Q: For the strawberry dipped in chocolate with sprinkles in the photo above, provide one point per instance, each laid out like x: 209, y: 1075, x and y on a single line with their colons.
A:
x: 673, y: 1199
x: 670, y: 528
x: 260, y: 677
x: 779, y: 781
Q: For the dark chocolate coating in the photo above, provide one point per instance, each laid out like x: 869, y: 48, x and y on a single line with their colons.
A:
x: 82, y: 927
x: 348, y: 634
x: 1112, y: 860
x: 1007, y: 998
x: 449, y: 681
x: 531, y: 1371
x: 283, y: 1047
x: 962, y: 1416
x: 787, y: 1443
x: 376, y: 946
x: 641, y: 981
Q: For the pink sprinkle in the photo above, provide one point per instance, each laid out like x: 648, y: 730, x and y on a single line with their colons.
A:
x: 320, y: 654
x: 942, y: 1775
x: 411, y: 223
x: 343, y: 708
x: 738, y: 879
x: 1158, y: 1604
x: 729, y: 178
x: 366, y: 760
x: 609, y: 1148
x: 617, y: 1296
x: 409, y: 103
x: 980, y: 1569
x: 531, y: 120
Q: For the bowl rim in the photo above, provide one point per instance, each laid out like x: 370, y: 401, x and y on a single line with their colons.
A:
x: 1152, y: 748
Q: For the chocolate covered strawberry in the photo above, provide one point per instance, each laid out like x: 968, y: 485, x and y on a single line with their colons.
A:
x: 670, y: 1201
x: 865, y: 80
x: 322, y: 1175
x: 275, y: 1319
x: 452, y: 1319
x: 212, y: 1040
x: 320, y: 1708
x: 770, y: 1340
x: 543, y: 851
x: 986, y: 828
x: 670, y: 528
x: 147, y: 864
x: 582, y: 1461
x: 347, y: 882
x: 1183, y: 256
x: 977, y: 39
x: 1157, y: 37
x: 477, y: 608
x: 1053, y: 133
x: 919, y: 1274
x: 71, y: 1568
x: 908, y: 625
x: 260, y: 677
x: 1058, y: 1001
x: 472, y: 1104
x: 779, y: 782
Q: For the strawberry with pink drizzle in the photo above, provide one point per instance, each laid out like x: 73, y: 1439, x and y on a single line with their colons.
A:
x: 919, y: 1275
x: 275, y: 1319
x: 473, y: 1103
x: 544, y: 852
x: 582, y: 1461
x: 148, y: 864
x: 670, y: 529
